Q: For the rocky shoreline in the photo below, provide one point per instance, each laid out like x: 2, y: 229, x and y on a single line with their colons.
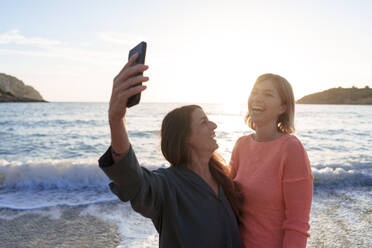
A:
x: 339, y: 96
x: 14, y: 90
x: 8, y: 97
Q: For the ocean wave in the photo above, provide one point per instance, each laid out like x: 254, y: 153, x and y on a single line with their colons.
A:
x: 342, y: 176
x: 65, y: 175
x: 33, y: 185
x: 70, y: 175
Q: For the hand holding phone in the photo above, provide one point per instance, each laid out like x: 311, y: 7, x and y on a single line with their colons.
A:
x: 141, y: 50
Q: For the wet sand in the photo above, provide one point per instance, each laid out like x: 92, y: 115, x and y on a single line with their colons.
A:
x: 69, y: 230
x: 339, y: 219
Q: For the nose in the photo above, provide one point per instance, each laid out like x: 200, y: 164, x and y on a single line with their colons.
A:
x: 213, y: 125
x: 254, y: 96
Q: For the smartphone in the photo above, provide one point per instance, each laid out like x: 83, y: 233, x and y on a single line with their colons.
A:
x: 141, y: 49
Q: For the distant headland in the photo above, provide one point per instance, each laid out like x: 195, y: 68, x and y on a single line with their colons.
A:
x: 14, y: 90
x: 339, y: 96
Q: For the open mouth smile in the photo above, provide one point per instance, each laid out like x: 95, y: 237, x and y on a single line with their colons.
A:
x: 257, y: 108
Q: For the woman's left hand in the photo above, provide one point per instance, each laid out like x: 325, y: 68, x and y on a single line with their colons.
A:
x: 124, y: 87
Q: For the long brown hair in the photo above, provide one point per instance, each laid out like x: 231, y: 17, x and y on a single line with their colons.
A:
x: 175, y: 130
x: 286, y: 120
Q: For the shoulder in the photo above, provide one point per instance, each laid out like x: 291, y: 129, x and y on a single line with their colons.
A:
x: 160, y: 178
x: 243, y: 140
x: 168, y: 173
x: 297, y: 164
x: 162, y: 172
x: 293, y: 145
x: 174, y: 177
x: 158, y: 174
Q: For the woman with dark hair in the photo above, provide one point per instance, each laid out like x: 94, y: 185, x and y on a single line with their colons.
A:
x: 272, y: 169
x: 192, y: 203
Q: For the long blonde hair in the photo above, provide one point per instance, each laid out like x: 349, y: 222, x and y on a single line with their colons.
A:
x: 286, y: 120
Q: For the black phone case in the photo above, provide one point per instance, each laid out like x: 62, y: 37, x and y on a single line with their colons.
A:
x: 141, y: 49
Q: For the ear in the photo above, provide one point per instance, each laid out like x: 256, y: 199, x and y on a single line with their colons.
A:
x: 283, y: 108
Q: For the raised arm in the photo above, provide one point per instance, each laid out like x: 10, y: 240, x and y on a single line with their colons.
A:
x: 130, y: 182
x: 121, y: 91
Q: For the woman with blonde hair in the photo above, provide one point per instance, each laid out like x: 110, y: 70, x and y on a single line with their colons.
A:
x: 273, y: 170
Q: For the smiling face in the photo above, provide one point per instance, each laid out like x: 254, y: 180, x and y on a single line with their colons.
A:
x: 202, y: 137
x: 265, y: 104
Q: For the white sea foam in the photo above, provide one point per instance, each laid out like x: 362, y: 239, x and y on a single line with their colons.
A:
x: 48, y: 175
x: 85, y: 175
x: 341, y: 176
x: 52, y: 213
x: 33, y: 185
x: 135, y: 230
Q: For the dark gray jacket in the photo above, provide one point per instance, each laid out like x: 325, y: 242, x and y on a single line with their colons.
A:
x: 185, y: 210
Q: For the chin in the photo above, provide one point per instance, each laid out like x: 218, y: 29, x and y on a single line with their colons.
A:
x: 215, y: 147
x: 258, y: 122
x: 256, y: 118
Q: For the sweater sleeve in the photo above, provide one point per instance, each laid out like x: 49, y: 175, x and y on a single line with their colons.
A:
x: 234, y: 160
x: 130, y: 182
x: 297, y: 182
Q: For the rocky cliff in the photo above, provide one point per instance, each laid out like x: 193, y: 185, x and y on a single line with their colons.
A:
x: 14, y: 90
x: 339, y: 96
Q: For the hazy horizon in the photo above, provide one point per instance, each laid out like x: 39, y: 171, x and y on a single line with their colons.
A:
x: 164, y: 101
x: 209, y: 51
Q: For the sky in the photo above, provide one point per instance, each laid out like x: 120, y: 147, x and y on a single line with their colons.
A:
x: 198, y: 51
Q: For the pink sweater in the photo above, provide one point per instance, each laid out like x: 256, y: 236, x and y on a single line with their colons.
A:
x: 276, y: 180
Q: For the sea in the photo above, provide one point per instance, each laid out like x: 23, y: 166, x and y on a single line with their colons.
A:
x: 53, y: 194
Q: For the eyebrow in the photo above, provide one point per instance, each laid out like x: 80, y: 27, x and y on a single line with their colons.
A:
x: 203, y: 118
x: 264, y: 90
